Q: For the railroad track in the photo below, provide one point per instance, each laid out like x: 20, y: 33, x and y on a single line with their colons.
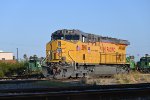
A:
x: 23, y: 77
x: 128, y: 91
x: 34, y: 77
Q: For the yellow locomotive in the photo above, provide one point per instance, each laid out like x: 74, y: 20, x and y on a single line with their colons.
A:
x: 73, y: 53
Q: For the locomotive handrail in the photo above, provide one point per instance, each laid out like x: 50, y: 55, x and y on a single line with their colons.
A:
x: 74, y: 63
x: 70, y: 56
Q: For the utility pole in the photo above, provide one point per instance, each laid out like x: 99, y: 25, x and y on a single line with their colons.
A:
x: 17, y: 54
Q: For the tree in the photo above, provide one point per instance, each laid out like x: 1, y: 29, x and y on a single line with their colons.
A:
x: 35, y: 57
x: 25, y: 57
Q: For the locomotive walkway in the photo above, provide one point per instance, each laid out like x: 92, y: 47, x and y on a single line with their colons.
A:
x: 101, y: 92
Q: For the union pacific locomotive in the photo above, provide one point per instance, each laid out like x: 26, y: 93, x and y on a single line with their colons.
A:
x: 73, y: 53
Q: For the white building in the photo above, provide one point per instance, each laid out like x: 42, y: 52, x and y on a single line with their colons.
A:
x: 6, y: 55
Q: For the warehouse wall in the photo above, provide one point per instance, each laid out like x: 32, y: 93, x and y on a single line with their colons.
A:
x: 6, y: 56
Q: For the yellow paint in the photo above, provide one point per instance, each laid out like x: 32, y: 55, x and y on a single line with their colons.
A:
x: 89, y: 53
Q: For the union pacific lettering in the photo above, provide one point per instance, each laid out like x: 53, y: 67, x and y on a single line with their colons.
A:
x: 108, y: 49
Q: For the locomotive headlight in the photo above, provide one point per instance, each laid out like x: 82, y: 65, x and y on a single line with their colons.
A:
x: 49, y: 52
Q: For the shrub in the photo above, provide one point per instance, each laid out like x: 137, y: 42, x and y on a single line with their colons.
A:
x: 10, y: 69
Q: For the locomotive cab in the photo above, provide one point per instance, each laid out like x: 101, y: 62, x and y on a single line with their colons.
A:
x: 55, y: 48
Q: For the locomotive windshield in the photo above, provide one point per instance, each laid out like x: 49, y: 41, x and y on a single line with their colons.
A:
x: 32, y: 61
x: 72, y: 37
x: 57, y: 37
x: 145, y: 59
x: 66, y: 37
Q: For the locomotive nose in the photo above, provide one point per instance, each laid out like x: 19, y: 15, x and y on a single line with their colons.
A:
x: 54, y: 51
x: 57, y: 51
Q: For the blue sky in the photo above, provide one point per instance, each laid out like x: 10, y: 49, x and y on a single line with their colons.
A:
x: 28, y: 24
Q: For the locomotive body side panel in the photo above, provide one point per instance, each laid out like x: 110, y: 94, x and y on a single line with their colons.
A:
x: 86, y: 53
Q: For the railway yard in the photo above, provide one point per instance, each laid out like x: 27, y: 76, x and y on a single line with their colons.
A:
x: 74, y: 50
x: 77, y: 66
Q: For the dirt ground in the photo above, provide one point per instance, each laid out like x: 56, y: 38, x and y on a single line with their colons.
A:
x: 129, y: 78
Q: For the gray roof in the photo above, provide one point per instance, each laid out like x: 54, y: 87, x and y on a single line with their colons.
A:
x: 92, y: 37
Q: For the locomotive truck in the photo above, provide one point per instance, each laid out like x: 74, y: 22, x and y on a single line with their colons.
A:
x: 73, y: 53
